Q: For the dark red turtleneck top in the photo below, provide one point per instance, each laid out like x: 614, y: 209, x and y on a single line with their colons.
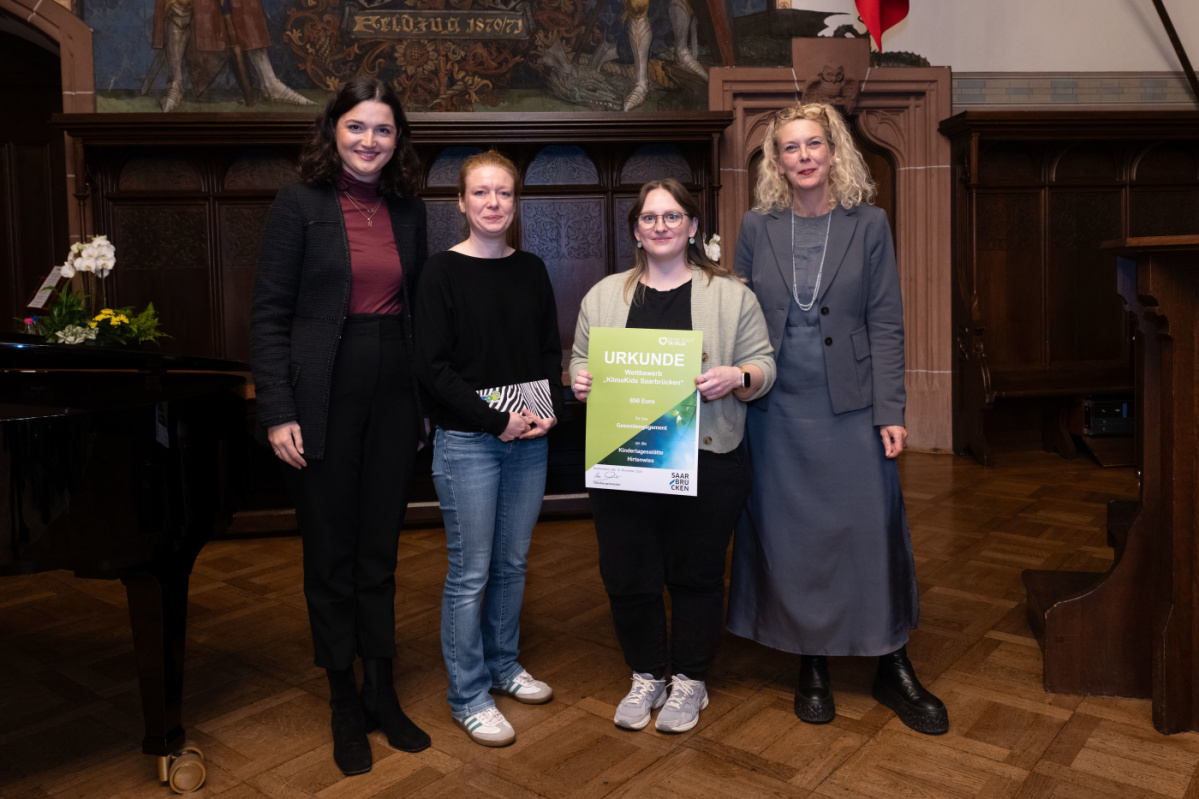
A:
x: 375, y: 269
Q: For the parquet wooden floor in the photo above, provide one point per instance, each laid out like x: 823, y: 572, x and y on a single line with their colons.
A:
x: 70, y: 721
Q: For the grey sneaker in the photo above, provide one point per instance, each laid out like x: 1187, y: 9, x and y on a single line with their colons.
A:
x: 687, y: 699
x: 523, y: 688
x: 647, y: 694
x: 488, y: 727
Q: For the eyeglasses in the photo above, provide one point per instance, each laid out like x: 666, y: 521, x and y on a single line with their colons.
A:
x: 671, y: 220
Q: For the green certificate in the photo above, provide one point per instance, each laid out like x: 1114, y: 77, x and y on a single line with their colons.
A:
x: 643, y: 409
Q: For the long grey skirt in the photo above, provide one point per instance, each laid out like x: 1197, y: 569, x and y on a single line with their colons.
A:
x: 822, y: 558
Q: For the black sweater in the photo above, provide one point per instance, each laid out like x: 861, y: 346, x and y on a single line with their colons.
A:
x: 302, y: 296
x: 484, y: 323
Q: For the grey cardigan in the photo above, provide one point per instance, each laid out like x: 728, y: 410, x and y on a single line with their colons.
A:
x: 861, y: 312
x: 734, y: 335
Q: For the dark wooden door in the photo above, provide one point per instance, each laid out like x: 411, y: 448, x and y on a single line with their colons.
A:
x: 33, y: 203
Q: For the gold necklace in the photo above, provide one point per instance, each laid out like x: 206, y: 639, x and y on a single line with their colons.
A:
x: 362, y: 210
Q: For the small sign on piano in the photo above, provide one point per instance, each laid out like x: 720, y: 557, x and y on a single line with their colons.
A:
x: 41, y: 300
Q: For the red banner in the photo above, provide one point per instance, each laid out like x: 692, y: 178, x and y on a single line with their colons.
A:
x: 879, y: 15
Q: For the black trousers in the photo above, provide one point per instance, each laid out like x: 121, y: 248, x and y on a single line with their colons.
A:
x: 350, y: 504
x: 650, y: 541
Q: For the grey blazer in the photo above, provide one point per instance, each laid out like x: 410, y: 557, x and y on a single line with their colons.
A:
x: 861, y: 312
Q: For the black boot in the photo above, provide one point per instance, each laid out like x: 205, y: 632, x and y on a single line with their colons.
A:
x: 351, y: 749
x: 896, y: 686
x: 382, y: 708
x: 814, y: 692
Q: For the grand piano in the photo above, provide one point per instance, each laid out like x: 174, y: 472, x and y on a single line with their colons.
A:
x: 121, y: 463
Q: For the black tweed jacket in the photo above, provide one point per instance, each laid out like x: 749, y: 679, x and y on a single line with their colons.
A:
x: 302, y: 296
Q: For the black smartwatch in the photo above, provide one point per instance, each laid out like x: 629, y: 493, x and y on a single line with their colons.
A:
x: 745, y: 379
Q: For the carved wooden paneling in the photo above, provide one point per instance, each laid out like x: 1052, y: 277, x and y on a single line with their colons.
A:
x: 625, y: 243
x: 1009, y: 163
x: 225, y: 170
x: 568, y: 234
x: 1164, y: 212
x: 1166, y: 162
x: 561, y: 165
x: 240, y: 238
x: 446, y: 223
x: 163, y: 173
x: 1086, y: 323
x: 261, y: 169
x: 445, y: 168
x: 655, y: 162
x: 163, y: 257
x: 1009, y: 276
x: 1036, y: 315
x: 1089, y: 162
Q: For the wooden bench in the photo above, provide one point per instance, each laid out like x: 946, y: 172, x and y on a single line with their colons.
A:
x: 1035, y: 313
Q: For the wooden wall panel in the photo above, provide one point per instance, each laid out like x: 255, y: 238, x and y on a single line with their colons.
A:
x: 1009, y: 275
x: 197, y: 264
x: 568, y: 234
x: 163, y: 257
x: 1086, y: 324
x: 239, y: 233
x: 1035, y: 312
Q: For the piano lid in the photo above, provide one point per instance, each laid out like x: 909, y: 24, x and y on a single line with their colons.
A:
x: 19, y: 351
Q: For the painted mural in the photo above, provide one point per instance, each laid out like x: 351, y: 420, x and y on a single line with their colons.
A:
x: 440, y: 55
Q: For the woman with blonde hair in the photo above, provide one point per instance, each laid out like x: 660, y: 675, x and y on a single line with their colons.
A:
x: 489, y: 354
x: 648, y: 542
x: 823, y: 559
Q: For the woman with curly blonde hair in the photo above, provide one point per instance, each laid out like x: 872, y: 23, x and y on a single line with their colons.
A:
x: 823, y: 560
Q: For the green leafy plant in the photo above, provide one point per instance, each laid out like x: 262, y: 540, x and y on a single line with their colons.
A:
x: 71, y: 317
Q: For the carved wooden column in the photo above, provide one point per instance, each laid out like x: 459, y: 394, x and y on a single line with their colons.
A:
x: 899, y: 109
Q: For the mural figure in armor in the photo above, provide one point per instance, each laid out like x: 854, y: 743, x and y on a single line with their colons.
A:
x: 682, y: 21
x: 237, y: 27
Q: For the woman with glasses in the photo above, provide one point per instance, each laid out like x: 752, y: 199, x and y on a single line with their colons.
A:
x: 648, y: 542
x: 823, y: 562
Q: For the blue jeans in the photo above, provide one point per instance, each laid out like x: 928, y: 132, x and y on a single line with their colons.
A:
x: 490, y: 494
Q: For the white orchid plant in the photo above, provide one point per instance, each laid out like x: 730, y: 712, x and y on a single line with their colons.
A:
x: 72, y: 318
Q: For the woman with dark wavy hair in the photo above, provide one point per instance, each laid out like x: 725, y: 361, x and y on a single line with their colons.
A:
x: 331, y: 336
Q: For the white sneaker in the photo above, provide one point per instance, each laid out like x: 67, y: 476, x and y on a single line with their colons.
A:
x: 646, y: 695
x: 687, y: 699
x: 523, y: 688
x: 488, y: 727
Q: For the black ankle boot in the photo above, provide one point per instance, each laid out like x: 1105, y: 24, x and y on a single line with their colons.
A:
x: 896, y: 686
x: 382, y: 708
x: 351, y: 749
x: 814, y: 692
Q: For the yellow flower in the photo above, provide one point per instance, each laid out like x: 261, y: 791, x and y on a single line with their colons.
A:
x: 91, y: 324
x: 114, y: 321
x: 106, y: 311
x: 100, y: 317
x: 123, y: 318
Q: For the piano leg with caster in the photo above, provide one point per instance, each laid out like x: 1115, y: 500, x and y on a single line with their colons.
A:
x: 158, y: 613
x: 184, y: 771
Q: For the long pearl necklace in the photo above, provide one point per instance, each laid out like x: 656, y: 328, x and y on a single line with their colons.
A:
x: 819, y: 272
x: 373, y: 210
